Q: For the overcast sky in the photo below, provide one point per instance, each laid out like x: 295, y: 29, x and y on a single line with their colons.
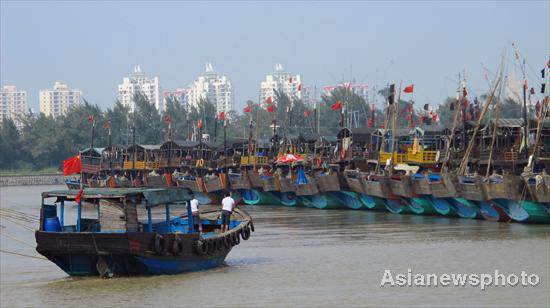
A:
x: 93, y: 45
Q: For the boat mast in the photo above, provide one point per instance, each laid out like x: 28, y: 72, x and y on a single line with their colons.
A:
x: 495, y: 127
x: 525, y: 138
x: 458, y: 102
x: 464, y: 163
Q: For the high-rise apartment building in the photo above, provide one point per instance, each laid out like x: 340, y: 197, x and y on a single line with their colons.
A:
x: 13, y: 103
x: 214, y: 87
x: 59, y: 100
x: 137, y: 82
x: 282, y: 82
x: 361, y: 90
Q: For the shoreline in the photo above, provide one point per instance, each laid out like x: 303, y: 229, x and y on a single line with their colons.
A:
x: 36, y: 179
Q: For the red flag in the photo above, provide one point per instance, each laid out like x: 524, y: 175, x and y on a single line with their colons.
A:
x: 167, y: 119
x: 247, y: 108
x: 107, y: 125
x: 72, y: 165
x: 269, y: 100
x: 409, y: 89
x: 270, y: 108
x: 336, y: 106
x: 90, y: 118
x: 370, y: 123
x: 300, y: 87
x: 199, y: 124
x: 306, y: 113
x: 222, y: 116
x: 77, y: 198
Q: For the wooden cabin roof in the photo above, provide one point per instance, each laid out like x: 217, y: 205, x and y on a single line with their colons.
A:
x: 153, y: 196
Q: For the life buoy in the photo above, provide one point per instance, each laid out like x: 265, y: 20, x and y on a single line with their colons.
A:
x: 177, y: 247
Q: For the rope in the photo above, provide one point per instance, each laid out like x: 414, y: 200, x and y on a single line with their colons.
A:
x: 19, y: 224
x: 23, y: 255
x: 17, y: 240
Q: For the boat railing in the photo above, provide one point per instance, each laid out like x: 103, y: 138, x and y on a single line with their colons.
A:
x: 422, y: 156
x: 246, y: 160
x: 130, y: 164
x: 398, y: 158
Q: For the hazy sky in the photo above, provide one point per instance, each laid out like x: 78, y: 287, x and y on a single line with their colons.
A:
x: 91, y: 45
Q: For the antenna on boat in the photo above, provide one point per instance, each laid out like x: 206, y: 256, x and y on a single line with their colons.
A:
x: 524, y: 142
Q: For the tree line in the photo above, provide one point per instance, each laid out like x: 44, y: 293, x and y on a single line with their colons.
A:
x: 43, y: 141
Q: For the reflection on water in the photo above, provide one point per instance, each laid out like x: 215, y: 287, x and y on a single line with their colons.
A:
x: 302, y: 257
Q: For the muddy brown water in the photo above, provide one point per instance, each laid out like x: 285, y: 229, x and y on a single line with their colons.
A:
x: 300, y: 257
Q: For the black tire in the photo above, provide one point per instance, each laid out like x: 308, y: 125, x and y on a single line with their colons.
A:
x: 177, y: 247
x: 246, y: 233
x: 209, y: 247
x: 237, y: 239
x: 165, y: 245
x: 200, y: 247
x: 158, y: 243
x: 252, y: 226
x: 227, y: 241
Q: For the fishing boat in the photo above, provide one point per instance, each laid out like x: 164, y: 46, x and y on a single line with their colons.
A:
x: 118, y: 242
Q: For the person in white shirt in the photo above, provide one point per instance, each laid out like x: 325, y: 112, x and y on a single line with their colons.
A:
x: 195, y: 212
x: 228, y: 204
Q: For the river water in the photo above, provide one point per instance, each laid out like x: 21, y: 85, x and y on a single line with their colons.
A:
x: 301, y: 257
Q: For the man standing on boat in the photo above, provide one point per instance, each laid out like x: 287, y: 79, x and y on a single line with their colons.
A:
x: 228, y: 204
x: 195, y: 212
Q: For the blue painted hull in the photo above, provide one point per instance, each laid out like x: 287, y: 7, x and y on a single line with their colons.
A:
x: 491, y: 212
x: 350, y: 199
x: 286, y: 199
x: 128, y: 265
x: 372, y: 203
x: 442, y: 206
x: 464, y: 208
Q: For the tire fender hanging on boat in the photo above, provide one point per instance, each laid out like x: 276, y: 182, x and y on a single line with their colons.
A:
x: 177, y: 246
x: 158, y: 243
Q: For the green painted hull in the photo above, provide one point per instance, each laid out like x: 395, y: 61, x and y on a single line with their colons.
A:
x: 350, y: 199
x: 258, y: 197
x: 537, y: 212
x: 421, y: 206
x: 372, y: 203
x: 325, y: 201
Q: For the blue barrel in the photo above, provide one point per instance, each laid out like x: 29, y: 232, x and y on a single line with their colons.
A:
x: 52, y: 224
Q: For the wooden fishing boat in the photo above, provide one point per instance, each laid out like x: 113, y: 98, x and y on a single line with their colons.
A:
x: 258, y: 197
x: 401, y: 185
x: 421, y: 185
x: 354, y: 181
x: 471, y: 187
x: 349, y: 199
x: 118, y: 242
x: 239, y: 180
x: 538, y: 186
x: 213, y: 183
x: 189, y: 182
x: 328, y: 181
x: 503, y: 187
x: 269, y: 184
x: 255, y: 179
x: 284, y: 183
x: 443, y: 185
